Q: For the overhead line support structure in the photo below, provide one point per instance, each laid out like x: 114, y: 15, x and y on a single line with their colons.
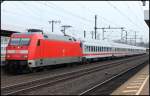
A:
x: 103, y: 29
x: 52, y: 22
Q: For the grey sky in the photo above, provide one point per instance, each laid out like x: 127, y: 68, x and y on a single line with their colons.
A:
x: 20, y: 15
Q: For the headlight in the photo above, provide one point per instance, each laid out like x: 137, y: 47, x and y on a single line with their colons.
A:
x: 25, y: 56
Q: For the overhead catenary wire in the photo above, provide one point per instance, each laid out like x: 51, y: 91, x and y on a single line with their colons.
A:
x: 68, y: 12
x: 16, y: 14
x: 31, y: 11
x: 124, y: 15
x: 41, y: 7
x: 52, y: 6
x: 111, y: 22
x: 132, y: 12
x: 102, y: 18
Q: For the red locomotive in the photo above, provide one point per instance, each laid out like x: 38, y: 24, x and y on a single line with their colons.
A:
x: 27, y: 51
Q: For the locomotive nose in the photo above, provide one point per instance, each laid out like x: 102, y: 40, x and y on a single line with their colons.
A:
x: 17, y: 54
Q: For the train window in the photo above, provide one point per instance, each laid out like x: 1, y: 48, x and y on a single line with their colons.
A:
x: 87, y: 48
x: 96, y: 48
x: 24, y: 41
x: 91, y: 48
x: 99, y: 48
x: 14, y: 41
x: 38, y: 43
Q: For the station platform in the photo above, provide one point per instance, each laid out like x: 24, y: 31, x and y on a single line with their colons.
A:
x: 136, y: 85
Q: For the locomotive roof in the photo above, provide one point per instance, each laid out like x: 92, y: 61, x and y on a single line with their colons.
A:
x: 52, y: 36
x: 59, y: 37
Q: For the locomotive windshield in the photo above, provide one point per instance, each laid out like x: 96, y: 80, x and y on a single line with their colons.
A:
x: 20, y: 41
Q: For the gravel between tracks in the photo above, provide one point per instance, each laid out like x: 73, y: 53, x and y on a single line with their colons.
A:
x: 75, y: 86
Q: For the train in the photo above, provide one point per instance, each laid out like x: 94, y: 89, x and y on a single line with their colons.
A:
x: 31, y: 50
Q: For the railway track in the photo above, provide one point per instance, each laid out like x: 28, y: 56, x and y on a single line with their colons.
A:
x: 104, y: 87
x: 27, y: 86
x: 9, y: 79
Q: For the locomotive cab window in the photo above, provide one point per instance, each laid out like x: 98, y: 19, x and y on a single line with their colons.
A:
x: 14, y: 41
x: 20, y: 41
x: 25, y: 41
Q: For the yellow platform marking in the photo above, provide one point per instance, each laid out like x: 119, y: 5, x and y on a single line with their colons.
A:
x: 126, y: 91
x: 141, y: 78
x: 139, y: 91
x: 139, y: 81
x: 135, y: 83
x: 133, y: 86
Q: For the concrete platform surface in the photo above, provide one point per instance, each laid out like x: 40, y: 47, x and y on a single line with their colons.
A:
x: 136, y: 85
